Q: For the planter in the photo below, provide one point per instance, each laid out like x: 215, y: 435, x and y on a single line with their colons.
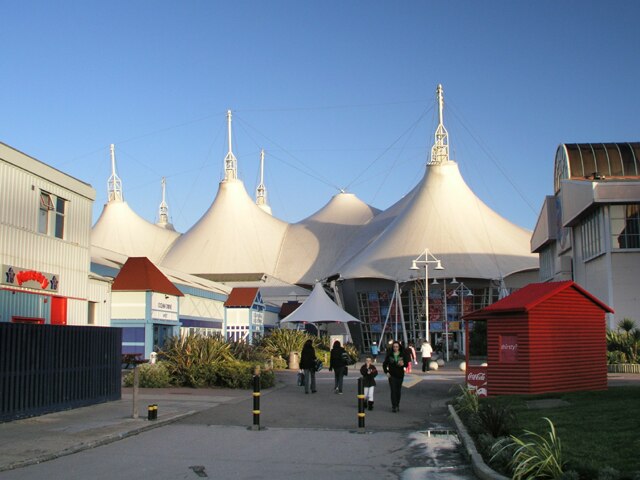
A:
x: 624, y: 368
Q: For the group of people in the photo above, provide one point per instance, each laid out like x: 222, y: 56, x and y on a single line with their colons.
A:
x: 397, y: 361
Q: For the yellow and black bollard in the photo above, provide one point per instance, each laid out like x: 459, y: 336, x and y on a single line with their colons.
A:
x: 256, y: 400
x: 361, y: 413
x: 152, y: 412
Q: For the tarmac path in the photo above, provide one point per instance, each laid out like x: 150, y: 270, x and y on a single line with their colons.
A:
x: 312, y: 436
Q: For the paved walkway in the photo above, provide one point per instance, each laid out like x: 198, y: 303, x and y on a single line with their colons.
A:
x: 324, y: 415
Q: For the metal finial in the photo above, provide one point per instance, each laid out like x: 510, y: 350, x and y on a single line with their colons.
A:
x: 230, y: 161
x: 440, y: 149
x: 114, y: 184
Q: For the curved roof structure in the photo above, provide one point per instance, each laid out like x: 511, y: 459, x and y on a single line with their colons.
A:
x: 596, y: 161
x: 445, y: 216
x: 312, y: 245
x: 233, y: 236
x: 122, y: 230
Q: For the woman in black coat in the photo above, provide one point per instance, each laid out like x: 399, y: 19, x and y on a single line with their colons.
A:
x: 393, y: 366
x: 308, y: 364
x: 337, y: 363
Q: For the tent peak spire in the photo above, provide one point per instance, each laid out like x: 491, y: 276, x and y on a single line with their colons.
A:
x: 230, y: 161
x: 440, y: 149
x: 261, y: 190
x: 114, y: 184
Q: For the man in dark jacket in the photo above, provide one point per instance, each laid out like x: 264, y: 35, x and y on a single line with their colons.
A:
x: 337, y: 363
x: 308, y: 364
x: 394, y: 365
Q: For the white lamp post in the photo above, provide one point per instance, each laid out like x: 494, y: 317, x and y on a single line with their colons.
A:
x: 426, y: 258
x: 463, y: 291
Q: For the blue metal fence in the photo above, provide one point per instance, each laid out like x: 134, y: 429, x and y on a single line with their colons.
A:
x: 48, y: 368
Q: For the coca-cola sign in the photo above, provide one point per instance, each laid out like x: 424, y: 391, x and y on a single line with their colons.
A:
x: 477, y: 380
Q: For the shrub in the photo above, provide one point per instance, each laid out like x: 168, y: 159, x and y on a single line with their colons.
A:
x: 352, y: 351
x: 467, y: 403
x: 187, y: 357
x: 497, y: 420
x: 535, y: 456
x: 570, y: 475
x: 282, y: 342
x: 608, y: 473
x: 237, y: 374
x: 150, y: 376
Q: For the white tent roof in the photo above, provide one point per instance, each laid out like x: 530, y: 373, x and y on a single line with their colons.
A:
x: 445, y: 216
x: 233, y: 236
x: 312, y: 245
x: 319, y: 308
x: 122, y: 230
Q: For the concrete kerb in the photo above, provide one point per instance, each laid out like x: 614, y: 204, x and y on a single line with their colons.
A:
x: 96, y: 443
x: 480, y: 469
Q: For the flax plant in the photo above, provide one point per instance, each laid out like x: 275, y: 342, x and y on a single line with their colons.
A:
x: 535, y: 456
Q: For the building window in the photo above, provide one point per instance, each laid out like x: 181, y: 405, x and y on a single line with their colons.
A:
x: 591, y: 237
x: 547, y: 261
x: 51, y: 215
x: 625, y: 226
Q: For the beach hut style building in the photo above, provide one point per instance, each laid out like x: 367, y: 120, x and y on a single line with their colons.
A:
x: 545, y: 337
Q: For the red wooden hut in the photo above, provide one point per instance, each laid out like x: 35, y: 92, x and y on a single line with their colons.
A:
x: 545, y: 337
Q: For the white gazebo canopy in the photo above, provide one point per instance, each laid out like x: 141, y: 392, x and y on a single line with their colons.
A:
x: 319, y: 308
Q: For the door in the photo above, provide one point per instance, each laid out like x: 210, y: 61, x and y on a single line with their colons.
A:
x: 58, y: 310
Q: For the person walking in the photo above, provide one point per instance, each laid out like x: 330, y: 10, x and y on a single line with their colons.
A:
x: 337, y: 363
x: 393, y: 367
x: 426, y: 351
x: 368, y: 372
x: 374, y: 351
x: 308, y: 364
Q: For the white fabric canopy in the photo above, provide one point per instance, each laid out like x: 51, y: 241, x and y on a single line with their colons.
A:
x: 319, y: 308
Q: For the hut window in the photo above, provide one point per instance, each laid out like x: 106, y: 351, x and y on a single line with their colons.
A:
x: 625, y: 226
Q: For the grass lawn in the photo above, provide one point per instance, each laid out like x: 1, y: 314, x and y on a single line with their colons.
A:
x: 597, y: 429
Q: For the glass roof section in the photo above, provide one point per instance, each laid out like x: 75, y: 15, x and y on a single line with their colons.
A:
x: 596, y: 161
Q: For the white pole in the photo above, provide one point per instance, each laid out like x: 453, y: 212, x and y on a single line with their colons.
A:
x: 426, y: 300
x: 446, y: 319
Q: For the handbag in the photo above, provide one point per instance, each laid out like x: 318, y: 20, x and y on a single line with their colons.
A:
x: 319, y: 365
x: 300, y: 378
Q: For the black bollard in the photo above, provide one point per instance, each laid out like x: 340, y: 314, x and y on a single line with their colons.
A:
x: 155, y: 411
x: 149, y: 412
x: 256, y: 400
x: 361, y: 413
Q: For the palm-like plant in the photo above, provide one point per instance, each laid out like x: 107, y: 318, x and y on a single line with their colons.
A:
x: 283, y: 341
x: 535, y: 456
x: 186, y: 356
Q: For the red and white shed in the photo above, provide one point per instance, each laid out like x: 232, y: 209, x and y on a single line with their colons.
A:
x: 545, y: 337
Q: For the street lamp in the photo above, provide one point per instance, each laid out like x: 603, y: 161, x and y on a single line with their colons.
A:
x: 426, y: 258
x: 463, y: 291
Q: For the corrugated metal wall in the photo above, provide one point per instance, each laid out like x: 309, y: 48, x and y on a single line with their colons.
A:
x: 22, y: 305
x: 561, y: 347
x: 24, y: 247
x: 100, y: 294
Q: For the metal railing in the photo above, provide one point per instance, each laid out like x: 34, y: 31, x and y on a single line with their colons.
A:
x: 48, y: 368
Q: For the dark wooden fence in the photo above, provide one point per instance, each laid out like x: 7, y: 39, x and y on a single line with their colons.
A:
x: 48, y: 368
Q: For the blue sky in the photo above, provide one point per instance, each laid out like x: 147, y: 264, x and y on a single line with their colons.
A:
x: 340, y: 94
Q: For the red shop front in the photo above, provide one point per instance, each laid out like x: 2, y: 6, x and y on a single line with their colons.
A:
x: 545, y: 337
